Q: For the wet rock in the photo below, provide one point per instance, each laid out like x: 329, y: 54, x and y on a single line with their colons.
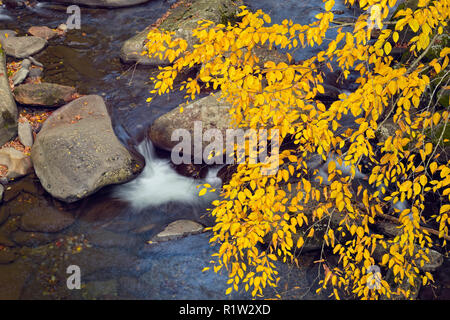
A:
x: 178, y: 229
x: 18, y: 163
x: 7, y: 256
x: 212, y: 114
x: 436, y: 260
x: 32, y: 239
x: 46, y: 220
x: 76, y: 152
x: 22, y: 47
x: 388, y: 229
x: 43, y: 94
x: 103, y: 3
x: 182, y: 20
x: 12, y: 279
x: 25, y: 133
x: 190, y: 170
x: 22, y: 73
x: 8, y: 108
x: 42, y: 32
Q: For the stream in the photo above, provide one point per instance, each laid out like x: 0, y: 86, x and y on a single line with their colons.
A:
x: 108, y: 241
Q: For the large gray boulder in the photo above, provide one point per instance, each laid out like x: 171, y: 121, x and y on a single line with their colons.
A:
x: 103, y: 3
x: 8, y: 108
x: 182, y: 20
x: 76, y: 152
x: 22, y: 47
x: 212, y: 113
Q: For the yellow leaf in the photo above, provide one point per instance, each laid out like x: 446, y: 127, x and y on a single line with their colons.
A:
x: 414, y: 25
x: 395, y: 36
x: 387, y: 48
x: 329, y: 5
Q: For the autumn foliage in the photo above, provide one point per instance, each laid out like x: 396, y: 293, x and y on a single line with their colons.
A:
x: 284, y: 210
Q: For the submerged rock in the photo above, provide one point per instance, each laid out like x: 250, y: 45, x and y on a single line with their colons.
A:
x: 76, y: 152
x: 43, y: 94
x: 46, y: 219
x: 22, y: 47
x: 32, y: 239
x: 179, y: 229
x: 8, y: 108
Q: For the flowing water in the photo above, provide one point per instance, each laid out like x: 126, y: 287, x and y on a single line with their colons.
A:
x: 109, y: 238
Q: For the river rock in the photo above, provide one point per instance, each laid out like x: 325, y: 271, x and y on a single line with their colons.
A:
x: 25, y: 133
x: 178, y: 229
x: 42, y: 32
x: 8, y: 108
x: 43, y: 94
x: 76, y: 152
x: 182, y: 20
x: 46, y: 219
x: 18, y: 163
x: 22, y: 73
x: 22, y: 47
x: 212, y: 113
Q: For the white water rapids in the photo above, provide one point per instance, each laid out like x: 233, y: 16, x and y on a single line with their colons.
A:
x: 159, y: 183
